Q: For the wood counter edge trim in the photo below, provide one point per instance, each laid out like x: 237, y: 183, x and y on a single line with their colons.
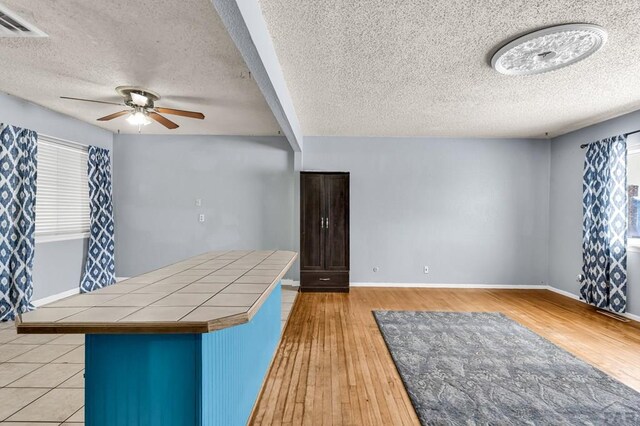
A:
x: 121, y: 328
x: 177, y: 327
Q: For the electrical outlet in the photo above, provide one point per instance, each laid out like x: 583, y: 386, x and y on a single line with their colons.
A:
x: 426, y: 269
x: 201, y: 218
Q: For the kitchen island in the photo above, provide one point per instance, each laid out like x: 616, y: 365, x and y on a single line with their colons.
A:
x: 187, y: 344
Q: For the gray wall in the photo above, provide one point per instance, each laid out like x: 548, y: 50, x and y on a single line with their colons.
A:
x: 246, y: 185
x: 511, y: 208
x: 565, y: 214
x: 474, y: 210
x: 57, y: 265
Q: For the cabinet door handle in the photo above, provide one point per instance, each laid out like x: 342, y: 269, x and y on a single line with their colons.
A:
x: 325, y: 279
x: 326, y: 224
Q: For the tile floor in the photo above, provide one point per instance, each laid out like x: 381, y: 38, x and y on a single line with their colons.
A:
x: 41, y: 375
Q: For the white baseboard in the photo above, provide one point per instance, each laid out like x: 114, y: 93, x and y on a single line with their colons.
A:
x: 576, y: 297
x: 292, y: 283
x: 564, y: 293
x: 54, y: 297
x: 434, y: 285
x: 58, y: 296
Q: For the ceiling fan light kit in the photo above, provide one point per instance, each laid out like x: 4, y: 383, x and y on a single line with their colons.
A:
x: 142, y: 110
x: 138, y: 117
x: 549, y: 49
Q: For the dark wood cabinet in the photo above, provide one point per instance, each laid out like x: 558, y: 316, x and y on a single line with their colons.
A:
x: 324, y: 231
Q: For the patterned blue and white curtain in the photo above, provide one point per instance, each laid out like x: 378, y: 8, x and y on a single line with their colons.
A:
x: 18, y: 173
x: 100, y: 266
x: 604, y: 225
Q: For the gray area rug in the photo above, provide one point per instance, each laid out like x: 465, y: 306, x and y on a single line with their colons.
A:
x: 485, y: 369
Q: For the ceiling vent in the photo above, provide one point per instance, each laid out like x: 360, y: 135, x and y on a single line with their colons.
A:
x: 11, y: 25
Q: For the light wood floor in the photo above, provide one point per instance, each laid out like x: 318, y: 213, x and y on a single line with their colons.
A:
x: 333, y: 367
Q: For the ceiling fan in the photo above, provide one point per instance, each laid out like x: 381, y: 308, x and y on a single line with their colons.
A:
x: 142, y: 109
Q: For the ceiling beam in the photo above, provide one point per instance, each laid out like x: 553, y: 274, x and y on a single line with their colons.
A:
x: 248, y: 30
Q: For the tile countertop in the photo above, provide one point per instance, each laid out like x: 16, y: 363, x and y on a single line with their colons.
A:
x: 205, y: 293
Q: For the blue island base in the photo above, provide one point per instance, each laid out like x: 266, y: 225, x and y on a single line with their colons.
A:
x: 180, y: 379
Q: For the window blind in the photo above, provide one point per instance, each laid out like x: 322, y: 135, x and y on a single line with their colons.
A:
x: 62, y: 190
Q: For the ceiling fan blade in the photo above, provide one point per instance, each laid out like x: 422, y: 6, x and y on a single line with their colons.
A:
x: 90, y: 100
x: 162, y: 120
x: 190, y: 114
x: 114, y: 115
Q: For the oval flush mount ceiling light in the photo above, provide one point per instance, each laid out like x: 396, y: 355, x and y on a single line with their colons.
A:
x: 549, y: 49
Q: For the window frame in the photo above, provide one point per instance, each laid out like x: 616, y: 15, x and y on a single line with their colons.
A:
x: 633, y: 244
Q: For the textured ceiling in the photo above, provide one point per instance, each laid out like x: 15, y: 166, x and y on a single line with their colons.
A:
x: 177, y: 48
x: 421, y: 68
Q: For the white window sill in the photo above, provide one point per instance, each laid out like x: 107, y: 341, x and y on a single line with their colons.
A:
x: 65, y: 237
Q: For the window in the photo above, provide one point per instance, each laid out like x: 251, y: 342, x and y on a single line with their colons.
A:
x: 62, y: 191
x: 633, y: 195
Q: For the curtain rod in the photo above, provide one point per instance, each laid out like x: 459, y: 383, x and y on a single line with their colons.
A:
x: 584, y: 145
